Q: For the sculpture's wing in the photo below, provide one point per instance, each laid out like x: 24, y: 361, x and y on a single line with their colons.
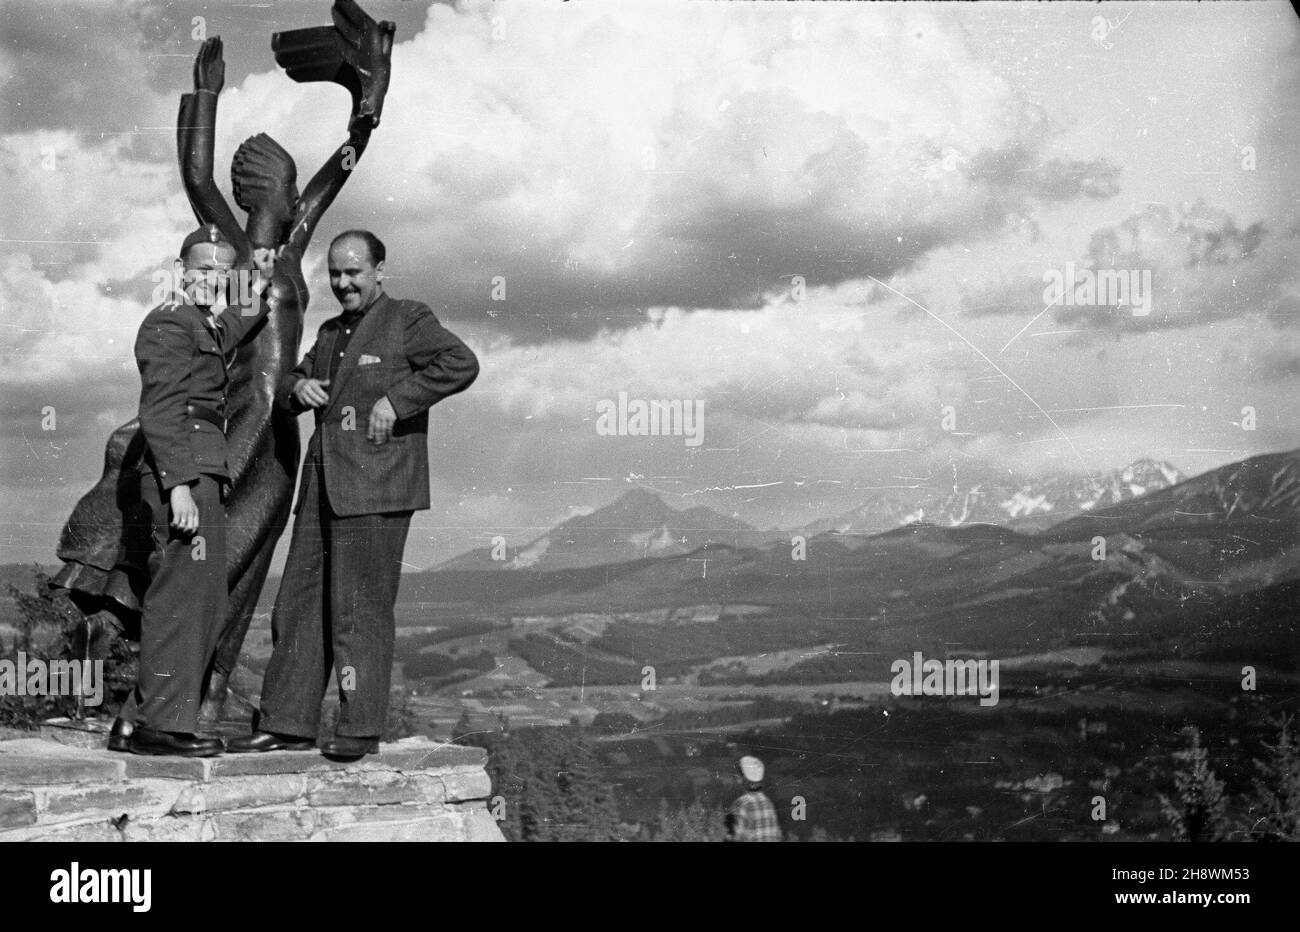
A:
x: 355, y: 52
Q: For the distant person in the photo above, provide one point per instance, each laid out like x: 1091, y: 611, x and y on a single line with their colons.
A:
x: 370, y: 380
x: 752, y: 817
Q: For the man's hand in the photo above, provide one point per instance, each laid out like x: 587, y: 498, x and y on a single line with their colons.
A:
x: 185, y: 513
x: 209, y: 67
x: 311, y: 392
x: 264, y: 259
x: 382, y: 419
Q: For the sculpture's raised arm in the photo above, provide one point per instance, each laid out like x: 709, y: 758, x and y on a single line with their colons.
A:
x: 196, y: 131
x: 326, y: 184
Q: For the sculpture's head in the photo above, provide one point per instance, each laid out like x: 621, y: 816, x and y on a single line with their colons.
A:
x: 265, y: 181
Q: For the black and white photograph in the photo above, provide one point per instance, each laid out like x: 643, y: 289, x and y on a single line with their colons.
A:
x: 612, y: 421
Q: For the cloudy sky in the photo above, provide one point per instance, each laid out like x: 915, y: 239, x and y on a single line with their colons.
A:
x: 830, y: 223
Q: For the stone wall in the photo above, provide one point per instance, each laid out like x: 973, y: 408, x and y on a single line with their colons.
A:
x: 412, y: 790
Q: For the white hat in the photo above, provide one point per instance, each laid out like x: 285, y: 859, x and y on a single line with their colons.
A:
x: 751, y: 768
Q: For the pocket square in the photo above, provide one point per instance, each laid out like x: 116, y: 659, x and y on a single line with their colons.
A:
x: 367, y: 360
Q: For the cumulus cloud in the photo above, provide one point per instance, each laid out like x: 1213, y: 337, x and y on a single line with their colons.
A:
x: 693, y: 160
x: 1202, y: 265
x: 80, y: 64
x: 62, y: 331
x: 1198, y: 264
x: 627, y: 155
x: 848, y: 367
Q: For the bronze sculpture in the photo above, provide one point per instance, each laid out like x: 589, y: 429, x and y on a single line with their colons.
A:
x: 105, y: 544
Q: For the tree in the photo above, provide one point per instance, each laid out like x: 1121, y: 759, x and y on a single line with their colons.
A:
x: 587, y: 806
x: 548, y: 780
x: 1199, y: 814
x: 695, y: 822
x: 1274, y: 805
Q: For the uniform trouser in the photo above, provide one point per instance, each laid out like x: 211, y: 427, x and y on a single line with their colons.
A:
x: 334, y: 613
x: 184, y: 609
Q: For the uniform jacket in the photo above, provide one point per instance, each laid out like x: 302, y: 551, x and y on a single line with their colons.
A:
x: 400, y: 350
x: 182, y: 359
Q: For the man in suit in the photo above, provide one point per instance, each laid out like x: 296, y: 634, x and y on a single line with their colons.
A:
x: 181, y: 351
x: 371, y: 377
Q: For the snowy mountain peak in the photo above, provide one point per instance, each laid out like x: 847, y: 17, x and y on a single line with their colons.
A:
x: 1035, y: 503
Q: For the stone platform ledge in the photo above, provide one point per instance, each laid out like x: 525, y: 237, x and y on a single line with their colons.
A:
x: 412, y: 790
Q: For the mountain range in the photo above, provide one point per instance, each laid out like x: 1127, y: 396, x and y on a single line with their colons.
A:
x: 1206, y: 567
x: 639, y: 525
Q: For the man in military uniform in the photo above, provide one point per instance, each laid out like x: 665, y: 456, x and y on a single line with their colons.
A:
x: 371, y: 378
x: 181, y: 351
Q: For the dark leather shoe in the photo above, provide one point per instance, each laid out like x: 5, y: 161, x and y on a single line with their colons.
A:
x: 268, y: 741
x: 119, y: 739
x: 342, y: 748
x: 146, y: 740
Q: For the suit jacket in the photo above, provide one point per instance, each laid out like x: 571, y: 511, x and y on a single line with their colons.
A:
x: 409, y: 357
x: 181, y: 356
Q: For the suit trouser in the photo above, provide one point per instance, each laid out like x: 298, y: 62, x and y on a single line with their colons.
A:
x: 183, y: 612
x: 334, y: 613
